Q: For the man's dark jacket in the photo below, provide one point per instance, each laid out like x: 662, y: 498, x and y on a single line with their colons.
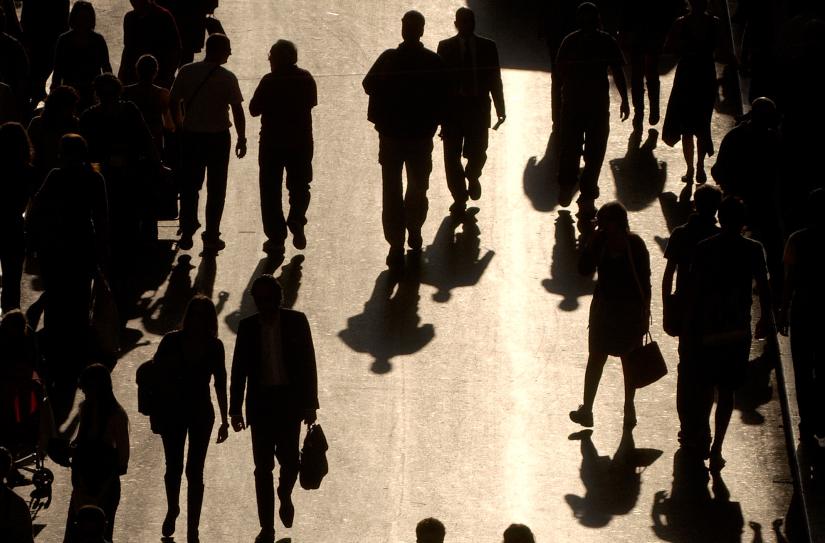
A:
x: 487, y: 66
x: 298, y: 359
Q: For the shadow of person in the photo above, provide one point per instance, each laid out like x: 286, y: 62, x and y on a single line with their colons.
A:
x: 565, y: 279
x: 676, y: 210
x: 757, y: 389
x: 205, y: 277
x: 290, y: 280
x: 612, y: 486
x: 541, y: 176
x: 247, y: 307
x: 639, y: 176
x: 454, y: 259
x: 163, y: 314
x: 389, y: 326
x: 689, y: 513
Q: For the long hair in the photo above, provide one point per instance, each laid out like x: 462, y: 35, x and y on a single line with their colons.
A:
x: 200, y: 317
x: 100, y: 402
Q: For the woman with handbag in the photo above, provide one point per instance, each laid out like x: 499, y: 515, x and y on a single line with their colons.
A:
x: 620, y: 310
x: 185, y: 363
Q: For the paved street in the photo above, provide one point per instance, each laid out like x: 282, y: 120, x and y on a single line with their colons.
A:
x: 444, y: 395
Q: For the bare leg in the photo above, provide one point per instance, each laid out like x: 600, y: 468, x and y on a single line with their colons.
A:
x: 687, y: 150
x: 724, y: 410
x: 629, y: 398
x: 701, y: 176
x: 592, y: 377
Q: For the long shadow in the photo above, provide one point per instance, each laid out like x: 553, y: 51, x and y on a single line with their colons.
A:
x: 565, y: 279
x: 454, y: 259
x: 639, y: 176
x: 689, y: 513
x: 540, y: 177
x: 757, y: 389
x: 166, y: 313
x: 290, y: 280
x: 612, y: 485
x: 676, y: 210
x: 390, y: 325
x: 247, y: 305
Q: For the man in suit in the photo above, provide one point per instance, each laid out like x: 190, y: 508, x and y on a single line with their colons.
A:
x: 474, y: 75
x: 406, y: 91
x: 274, y: 361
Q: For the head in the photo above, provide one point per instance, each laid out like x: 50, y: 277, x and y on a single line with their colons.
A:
x: 518, y: 533
x: 108, y: 88
x: 90, y: 523
x: 200, y: 318
x: 82, y: 16
x: 218, y: 48
x: 266, y: 291
x: 282, y: 54
x: 412, y: 26
x: 61, y: 103
x: 698, y: 6
x: 141, y: 5
x: 732, y: 214
x: 73, y: 150
x: 147, y: 68
x: 13, y: 325
x: 612, y: 218
x: 816, y: 208
x: 465, y: 21
x: 763, y: 114
x: 706, y: 200
x: 15, y: 147
x: 430, y: 530
x: 96, y: 383
x: 588, y: 17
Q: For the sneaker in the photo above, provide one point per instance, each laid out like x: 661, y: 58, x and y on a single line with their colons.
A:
x: 566, y: 193
x: 654, y: 115
x: 299, y: 239
x: 415, y: 241
x: 266, y: 536
x: 395, y: 258
x: 214, y: 244
x: 185, y: 242
x: 582, y: 417
x: 473, y: 188
x: 273, y: 248
x: 287, y: 512
x: 168, y: 527
x: 701, y: 176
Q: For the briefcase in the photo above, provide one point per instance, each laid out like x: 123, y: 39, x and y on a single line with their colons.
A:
x: 314, y: 464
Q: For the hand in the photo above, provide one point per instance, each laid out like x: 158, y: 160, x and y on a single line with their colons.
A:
x: 310, y: 416
x: 240, y: 148
x: 237, y: 423
x: 223, y: 432
x: 624, y: 110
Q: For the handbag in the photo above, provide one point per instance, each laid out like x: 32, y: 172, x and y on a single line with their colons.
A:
x: 645, y: 364
x: 314, y: 465
x: 672, y: 315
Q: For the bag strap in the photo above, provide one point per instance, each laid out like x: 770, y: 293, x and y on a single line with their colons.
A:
x: 192, y: 96
x: 639, y: 286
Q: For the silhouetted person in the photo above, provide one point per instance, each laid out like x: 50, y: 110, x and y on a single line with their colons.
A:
x: 185, y: 362
x: 694, y: 38
x: 152, y: 100
x: 801, y: 311
x: 582, y: 63
x: 14, y: 68
x: 15, y: 518
x: 620, y: 309
x: 81, y: 54
x: 718, y: 315
x: 645, y: 24
x: 90, y: 525
x: 42, y: 21
x: 284, y: 99
x: 559, y: 21
x: 200, y: 99
x: 190, y: 18
x: 518, y: 533
x: 100, y: 451
x: 12, y: 27
x: 274, y: 362
x: 748, y: 167
x: 47, y: 129
x: 17, y: 184
x: 474, y: 75
x: 149, y: 29
x: 691, y: 388
x: 429, y: 530
x: 67, y: 226
x: 406, y: 90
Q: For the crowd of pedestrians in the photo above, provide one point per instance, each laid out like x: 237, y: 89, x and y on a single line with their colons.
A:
x: 86, y: 165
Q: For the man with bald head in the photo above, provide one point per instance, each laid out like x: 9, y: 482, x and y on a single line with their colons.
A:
x: 474, y: 75
x: 406, y: 91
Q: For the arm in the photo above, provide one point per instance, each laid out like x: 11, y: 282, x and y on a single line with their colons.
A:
x: 667, y: 278
x: 763, y: 289
x: 219, y: 373
x: 497, y: 90
x: 175, y: 100
x: 59, y: 61
x: 240, y: 128
x: 120, y: 431
x: 256, y: 105
x: 789, y: 285
x: 166, y: 114
x: 374, y: 81
x: 104, y: 54
x: 127, y: 57
x: 310, y: 372
x: 238, y: 379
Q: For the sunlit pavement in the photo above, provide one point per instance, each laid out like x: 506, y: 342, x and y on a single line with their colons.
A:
x: 446, y: 397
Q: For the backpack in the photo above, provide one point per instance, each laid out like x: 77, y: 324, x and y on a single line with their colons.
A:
x: 314, y: 463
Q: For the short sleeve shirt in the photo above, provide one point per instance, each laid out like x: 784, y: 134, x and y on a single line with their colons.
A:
x: 205, y: 109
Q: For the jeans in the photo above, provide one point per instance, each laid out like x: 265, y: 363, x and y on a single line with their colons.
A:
x: 203, y: 154
x: 404, y: 209
x: 298, y: 166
